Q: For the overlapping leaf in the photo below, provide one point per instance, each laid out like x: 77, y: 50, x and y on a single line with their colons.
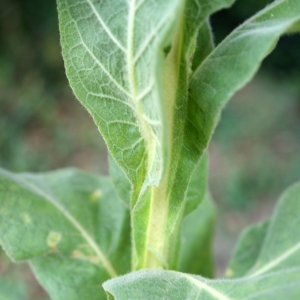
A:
x: 70, y: 225
x: 169, y: 285
x: 114, y: 56
x: 274, y: 275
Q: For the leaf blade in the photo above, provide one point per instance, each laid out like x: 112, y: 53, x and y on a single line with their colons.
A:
x: 247, y: 250
x: 62, y: 219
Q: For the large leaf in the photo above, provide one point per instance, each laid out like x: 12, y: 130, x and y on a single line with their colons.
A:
x: 171, y: 285
x: 128, y: 62
x: 275, y: 274
x: 70, y: 225
x: 114, y: 52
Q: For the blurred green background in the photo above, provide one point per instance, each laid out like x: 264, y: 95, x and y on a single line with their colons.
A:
x: 254, y: 154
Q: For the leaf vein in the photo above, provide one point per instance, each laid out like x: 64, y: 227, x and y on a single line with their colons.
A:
x: 107, y: 30
x: 275, y: 262
x: 100, y: 64
x: 105, y: 261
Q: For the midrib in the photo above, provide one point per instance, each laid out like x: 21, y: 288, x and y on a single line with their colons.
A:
x: 145, y: 128
x: 147, y: 134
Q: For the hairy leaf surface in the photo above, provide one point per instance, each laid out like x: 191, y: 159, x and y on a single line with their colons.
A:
x: 114, y: 56
x: 70, y: 225
x: 170, y: 285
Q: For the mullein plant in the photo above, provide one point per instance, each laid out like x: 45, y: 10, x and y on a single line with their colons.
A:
x: 153, y: 81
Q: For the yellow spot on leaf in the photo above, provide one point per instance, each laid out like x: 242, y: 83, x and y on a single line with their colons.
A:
x: 53, y: 239
x: 26, y: 217
x: 229, y: 273
x: 96, y: 195
x: 84, y: 252
x: 79, y: 255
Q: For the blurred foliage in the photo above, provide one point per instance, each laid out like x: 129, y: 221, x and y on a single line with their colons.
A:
x: 17, y: 281
x: 42, y: 126
x: 255, y: 152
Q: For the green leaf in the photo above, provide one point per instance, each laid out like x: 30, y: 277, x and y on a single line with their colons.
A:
x: 203, y: 45
x: 114, y: 57
x: 232, y: 64
x: 70, y: 225
x: 171, y: 285
x: 114, y: 62
x: 129, y: 64
x: 275, y: 274
x: 247, y: 250
x: 197, y: 237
